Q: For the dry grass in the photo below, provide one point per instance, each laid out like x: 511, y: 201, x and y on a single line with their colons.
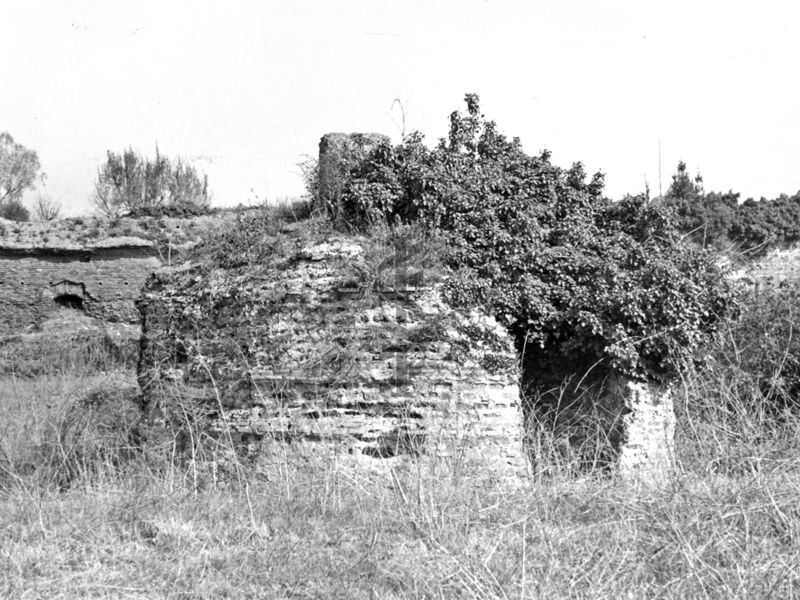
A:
x: 86, y: 512
x: 142, y: 527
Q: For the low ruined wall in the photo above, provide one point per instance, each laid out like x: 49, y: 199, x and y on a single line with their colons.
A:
x: 106, y: 280
x: 296, y: 351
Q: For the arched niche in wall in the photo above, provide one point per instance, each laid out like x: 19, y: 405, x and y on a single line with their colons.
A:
x: 69, y: 294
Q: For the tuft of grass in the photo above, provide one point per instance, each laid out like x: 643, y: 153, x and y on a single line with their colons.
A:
x: 738, y: 405
x: 86, y: 427
x: 77, y: 352
x: 255, y: 236
x: 397, y: 258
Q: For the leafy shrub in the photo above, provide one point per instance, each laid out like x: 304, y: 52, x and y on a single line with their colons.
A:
x: 768, y: 223
x: 309, y: 172
x: 579, y: 280
x: 14, y: 210
x: 341, y: 156
x: 129, y: 184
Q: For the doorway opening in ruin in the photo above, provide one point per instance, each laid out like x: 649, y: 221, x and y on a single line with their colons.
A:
x: 69, y: 301
x: 69, y: 294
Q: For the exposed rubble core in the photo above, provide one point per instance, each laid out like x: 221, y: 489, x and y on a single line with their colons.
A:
x: 296, y: 351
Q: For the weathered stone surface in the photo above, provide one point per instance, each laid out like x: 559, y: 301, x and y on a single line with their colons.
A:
x: 295, y: 351
x: 648, y: 451
x: 337, y: 152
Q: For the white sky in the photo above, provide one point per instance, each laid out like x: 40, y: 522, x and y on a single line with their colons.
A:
x: 245, y: 88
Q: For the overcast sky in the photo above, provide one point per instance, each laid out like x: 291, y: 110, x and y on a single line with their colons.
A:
x: 245, y: 89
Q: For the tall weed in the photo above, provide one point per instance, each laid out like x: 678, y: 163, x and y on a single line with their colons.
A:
x: 739, y: 403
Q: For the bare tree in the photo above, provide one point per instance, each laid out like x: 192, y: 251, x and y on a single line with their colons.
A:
x: 45, y: 208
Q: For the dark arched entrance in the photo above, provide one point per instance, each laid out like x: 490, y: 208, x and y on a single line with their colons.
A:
x: 69, y: 294
x: 72, y: 301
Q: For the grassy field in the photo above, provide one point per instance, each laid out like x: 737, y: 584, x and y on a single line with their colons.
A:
x: 82, y: 516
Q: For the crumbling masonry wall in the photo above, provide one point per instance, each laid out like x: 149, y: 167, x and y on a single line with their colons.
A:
x: 103, y: 281
x: 297, y: 351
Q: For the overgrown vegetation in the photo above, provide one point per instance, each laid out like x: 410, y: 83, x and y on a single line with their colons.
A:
x: 14, y: 210
x: 398, y: 258
x: 721, y: 221
x: 256, y: 236
x: 132, y: 185
x: 755, y: 357
x: 83, y: 350
x: 576, y: 278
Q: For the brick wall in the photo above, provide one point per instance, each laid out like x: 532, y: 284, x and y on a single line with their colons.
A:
x: 108, y: 281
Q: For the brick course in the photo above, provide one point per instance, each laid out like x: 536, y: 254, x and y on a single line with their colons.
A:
x: 107, y: 279
x: 286, y: 351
